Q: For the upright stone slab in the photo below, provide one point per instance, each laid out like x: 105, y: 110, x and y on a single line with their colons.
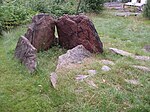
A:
x: 76, y: 30
x: 41, y: 32
x: 26, y: 53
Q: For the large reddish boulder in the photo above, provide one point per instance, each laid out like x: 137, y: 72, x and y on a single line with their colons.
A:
x: 41, y: 32
x: 76, y: 30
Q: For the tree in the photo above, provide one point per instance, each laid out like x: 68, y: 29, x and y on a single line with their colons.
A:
x: 79, y: 3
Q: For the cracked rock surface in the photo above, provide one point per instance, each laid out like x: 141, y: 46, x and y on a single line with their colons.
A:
x: 41, y: 32
x: 26, y: 53
x: 76, y: 30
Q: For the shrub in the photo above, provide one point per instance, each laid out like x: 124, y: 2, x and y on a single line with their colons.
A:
x: 147, y: 10
x: 54, y: 7
x: 63, y: 8
x: 17, y: 12
x: 38, y: 5
x: 13, y: 14
x: 93, y: 5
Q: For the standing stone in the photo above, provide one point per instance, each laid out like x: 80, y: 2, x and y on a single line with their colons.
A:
x: 26, y: 53
x: 41, y: 32
x: 76, y: 30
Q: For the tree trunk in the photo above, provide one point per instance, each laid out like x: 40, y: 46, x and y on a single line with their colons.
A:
x: 77, y: 12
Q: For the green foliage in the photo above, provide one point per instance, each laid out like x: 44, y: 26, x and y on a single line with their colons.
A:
x: 17, y: 12
x: 93, y: 5
x: 41, y: 6
x: 59, y: 1
x: 1, y: 1
x: 54, y: 7
x: 147, y: 10
x: 13, y: 14
x: 59, y: 9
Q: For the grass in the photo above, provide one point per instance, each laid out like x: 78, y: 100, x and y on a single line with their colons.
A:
x: 23, y: 92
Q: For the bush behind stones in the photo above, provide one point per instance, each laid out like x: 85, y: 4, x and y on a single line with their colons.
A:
x: 95, y: 6
x: 147, y: 10
x: 18, y: 12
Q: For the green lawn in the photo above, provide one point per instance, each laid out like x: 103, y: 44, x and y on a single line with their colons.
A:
x: 23, y: 92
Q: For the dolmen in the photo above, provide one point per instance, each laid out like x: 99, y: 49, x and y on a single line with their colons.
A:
x: 72, y: 30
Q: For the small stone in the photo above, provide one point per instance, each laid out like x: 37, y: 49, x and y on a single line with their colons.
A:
x: 121, y: 52
x: 143, y: 68
x: 104, y: 80
x: 53, y: 79
x: 79, y: 62
x: 143, y: 58
x: 147, y: 48
x: 135, y: 82
x: 107, y: 62
x: 81, y: 77
x: 122, y: 14
x: 125, y: 53
x: 91, y: 72
x: 106, y: 68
